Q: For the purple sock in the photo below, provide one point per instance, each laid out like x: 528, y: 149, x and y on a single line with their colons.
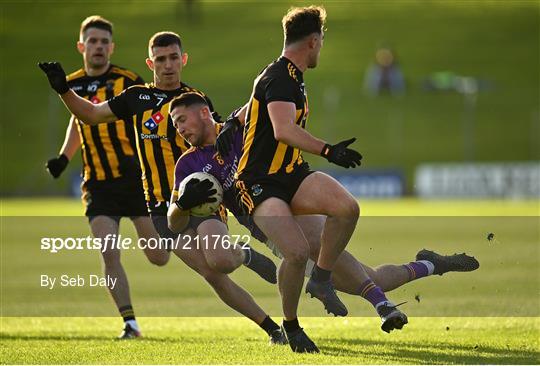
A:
x: 372, y: 293
x: 418, y: 269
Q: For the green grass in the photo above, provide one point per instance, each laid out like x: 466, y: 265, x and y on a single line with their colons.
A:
x: 61, y: 206
x: 236, y: 341
x: 492, y: 314
x: 233, y: 40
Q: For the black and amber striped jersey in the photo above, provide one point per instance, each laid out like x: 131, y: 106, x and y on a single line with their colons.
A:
x: 262, y: 154
x: 158, y: 144
x: 108, y: 150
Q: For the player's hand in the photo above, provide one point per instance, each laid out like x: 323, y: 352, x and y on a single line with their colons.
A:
x: 56, y: 76
x: 196, y: 192
x: 341, y: 155
x: 225, y: 139
x: 56, y: 166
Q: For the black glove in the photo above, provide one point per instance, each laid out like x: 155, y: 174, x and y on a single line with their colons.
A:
x: 56, y: 166
x: 225, y: 139
x: 196, y: 193
x: 56, y: 76
x: 339, y: 154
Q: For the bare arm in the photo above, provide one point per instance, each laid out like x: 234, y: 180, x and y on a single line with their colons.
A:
x: 86, y: 111
x: 241, y: 115
x: 83, y: 109
x: 283, y: 115
x: 177, y: 219
x: 72, y: 141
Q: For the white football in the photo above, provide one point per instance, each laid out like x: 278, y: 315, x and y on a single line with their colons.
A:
x: 206, y: 209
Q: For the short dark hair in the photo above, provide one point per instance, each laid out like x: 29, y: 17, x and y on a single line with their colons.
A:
x: 96, y: 21
x: 187, y: 100
x: 301, y: 22
x: 164, y: 39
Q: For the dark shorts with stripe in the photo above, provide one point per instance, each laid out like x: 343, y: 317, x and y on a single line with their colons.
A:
x: 158, y: 213
x: 250, y: 194
x: 121, y: 197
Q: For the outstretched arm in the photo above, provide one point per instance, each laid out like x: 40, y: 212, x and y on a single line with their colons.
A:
x: 283, y: 115
x: 86, y: 111
x: 83, y: 109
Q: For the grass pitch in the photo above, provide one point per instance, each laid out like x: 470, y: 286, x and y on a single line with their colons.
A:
x: 489, y: 316
x: 237, y: 341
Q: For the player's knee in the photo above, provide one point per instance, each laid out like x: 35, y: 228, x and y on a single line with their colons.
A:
x: 352, y: 209
x: 297, y: 256
x: 159, y: 260
x: 349, y: 209
x: 223, y: 265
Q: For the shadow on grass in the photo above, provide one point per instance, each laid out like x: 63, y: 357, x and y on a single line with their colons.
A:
x: 361, y: 350
x: 445, y: 353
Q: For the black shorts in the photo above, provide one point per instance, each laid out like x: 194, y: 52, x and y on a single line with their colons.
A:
x: 158, y: 213
x: 250, y: 194
x: 122, y: 197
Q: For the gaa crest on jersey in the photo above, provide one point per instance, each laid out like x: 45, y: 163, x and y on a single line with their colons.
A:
x: 256, y: 190
x: 109, y: 85
x: 154, y: 121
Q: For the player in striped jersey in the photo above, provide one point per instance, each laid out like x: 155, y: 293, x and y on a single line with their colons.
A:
x: 275, y: 182
x: 146, y: 106
x: 192, y: 120
x: 158, y: 144
x: 112, y: 186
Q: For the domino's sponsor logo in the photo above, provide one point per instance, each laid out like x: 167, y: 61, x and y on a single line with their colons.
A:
x: 154, y: 121
x: 152, y: 136
x: 150, y: 124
